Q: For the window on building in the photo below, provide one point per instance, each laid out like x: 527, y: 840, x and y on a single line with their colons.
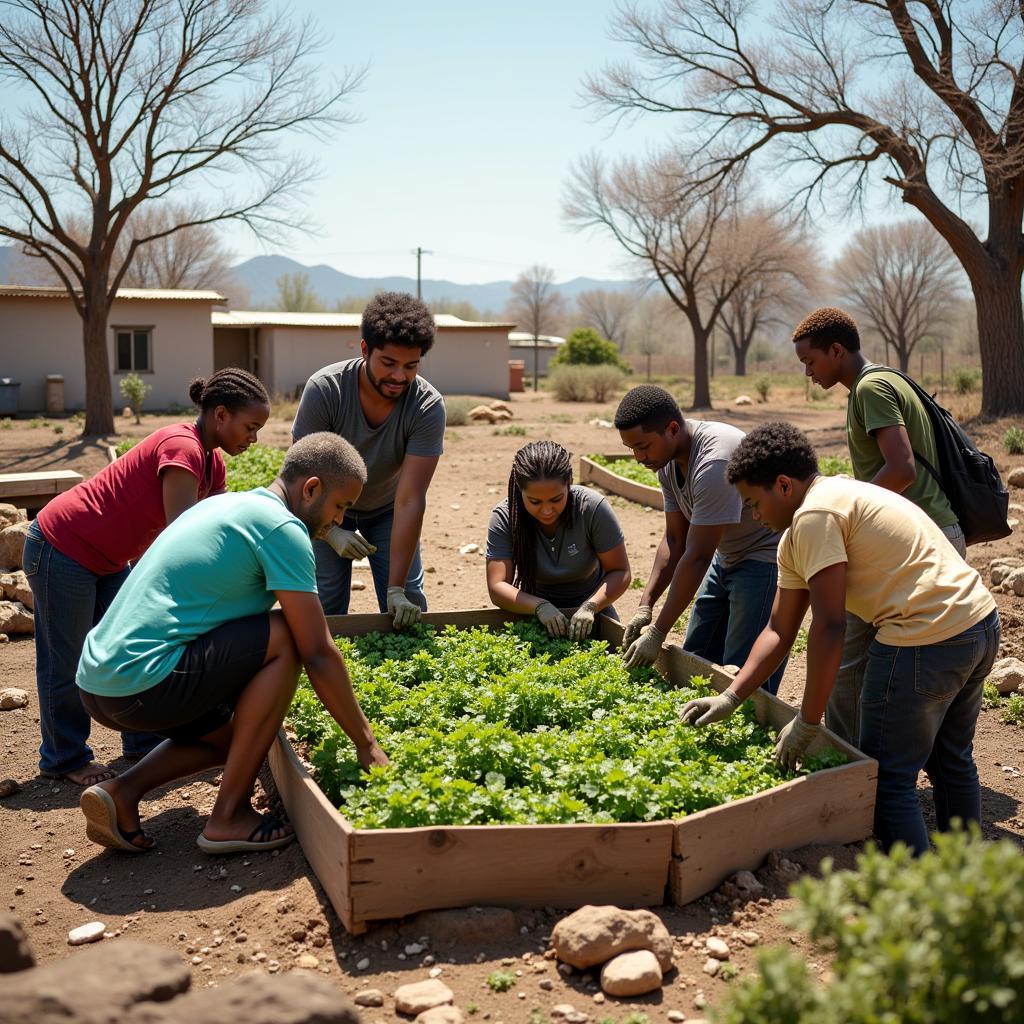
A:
x: 133, y: 349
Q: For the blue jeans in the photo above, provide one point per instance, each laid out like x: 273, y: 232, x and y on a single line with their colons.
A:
x: 68, y: 601
x: 731, y: 608
x: 919, y: 707
x: 334, y: 573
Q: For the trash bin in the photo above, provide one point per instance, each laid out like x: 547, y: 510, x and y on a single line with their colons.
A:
x: 515, y: 374
x: 9, y: 396
x: 54, y: 393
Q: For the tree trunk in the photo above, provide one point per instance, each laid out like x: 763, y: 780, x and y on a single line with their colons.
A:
x: 701, y: 382
x: 99, y: 408
x: 648, y: 367
x: 536, y: 359
x: 1001, y: 342
x: 904, y: 358
x: 740, y: 360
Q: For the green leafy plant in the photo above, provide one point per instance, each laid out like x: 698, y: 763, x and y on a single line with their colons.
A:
x: 932, y: 940
x: 34, y: 424
x: 513, y: 726
x: 58, y: 428
x: 472, y: 1008
x: 1013, y: 441
x: 1013, y: 713
x: 835, y: 465
x: 630, y: 469
x: 134, y: 390
x: 991, y: 698
x: 584, y: 383
x: 728, y: 971
x: 500, y: 981
x: 513, y: 430
x: 586, y: 347
x: 636, y: 583
x: 124, y: 446
x: 635, y: 1017
x: 763, y: 386
x: 6, y: 423
x: 965, y: 380
x: 800, y: 643
x: 255, y: 467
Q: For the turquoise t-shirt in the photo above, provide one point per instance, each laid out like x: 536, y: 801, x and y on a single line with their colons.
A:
x: 221, y: 560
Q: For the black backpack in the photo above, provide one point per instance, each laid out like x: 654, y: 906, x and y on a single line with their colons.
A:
x: 968, y: 477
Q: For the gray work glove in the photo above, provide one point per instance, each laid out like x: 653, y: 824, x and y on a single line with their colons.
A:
x: 551, y: 619
x: 645, y: 649
x: 794, y: 739
x: 642, y: 618
x: 405, y: 612
x: 349, y: 543
x: 581, y: 625
x: 705, y: 710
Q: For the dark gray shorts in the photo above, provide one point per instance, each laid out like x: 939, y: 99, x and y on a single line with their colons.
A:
x: 200, y: 693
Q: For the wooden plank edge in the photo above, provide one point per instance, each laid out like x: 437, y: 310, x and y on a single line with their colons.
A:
x: 591, y: 472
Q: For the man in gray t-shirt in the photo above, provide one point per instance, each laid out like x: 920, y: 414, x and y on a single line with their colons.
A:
x: 395, y: 420
x: 712, y: 547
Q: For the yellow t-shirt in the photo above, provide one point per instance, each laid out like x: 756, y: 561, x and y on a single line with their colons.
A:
x: 902, y: 574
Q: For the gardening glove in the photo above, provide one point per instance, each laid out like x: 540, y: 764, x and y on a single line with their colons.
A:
x: 636, y: 624
x: 705, y: 710
x: 581, y: 625
x: 405, y: 612
x: 794, y: 739
x: 645, y: 649
x: 551, y: 619
x: 349, y: 543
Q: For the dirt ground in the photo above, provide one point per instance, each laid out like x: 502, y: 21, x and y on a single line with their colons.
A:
x: 234, y: 915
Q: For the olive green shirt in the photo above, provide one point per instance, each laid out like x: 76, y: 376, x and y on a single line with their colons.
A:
x: 886, y: 400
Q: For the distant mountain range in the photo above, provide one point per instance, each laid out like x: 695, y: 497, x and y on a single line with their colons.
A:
x: 259, y: 275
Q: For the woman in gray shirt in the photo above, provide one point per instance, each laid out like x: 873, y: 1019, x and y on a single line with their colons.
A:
x: 552, y: 544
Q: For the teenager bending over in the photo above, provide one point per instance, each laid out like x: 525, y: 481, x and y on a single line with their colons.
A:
x: 552, y: 544
x: 78, y: 550
x: 191, y: 650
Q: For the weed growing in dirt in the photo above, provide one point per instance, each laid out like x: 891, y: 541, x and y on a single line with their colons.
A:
x: 456, y: 411
x: 34, y: 424
x: 636, y: 1017
x: 472, y: 1008
x: 515, y: 430
x: 500, y: 981
x: 6, y: 424
x: 800, y: 643
x: 965, y: 380
x: 1013, y: 441
x: 763, y: 386
x: 991, y: 698
x: 58, y: 428
x: 637, y: 584
x: 1013, y: 713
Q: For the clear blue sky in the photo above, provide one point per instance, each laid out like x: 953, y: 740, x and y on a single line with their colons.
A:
x: 471, y: 118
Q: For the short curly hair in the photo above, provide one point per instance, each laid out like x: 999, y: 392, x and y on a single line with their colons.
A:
x: 769, y: 450
x: 648, y: 407
x: 397, y: 318
x: 827, y: 325
x: 325, y: 455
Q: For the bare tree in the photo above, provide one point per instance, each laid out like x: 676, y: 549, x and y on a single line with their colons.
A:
x: 608, y: 311
x: 536, y: 306
x: 904, y: 281
x: 948, y: 123
x: 650, y: 326
x: 690, y: 238
x: 296, y: 295
x: 127, y: 100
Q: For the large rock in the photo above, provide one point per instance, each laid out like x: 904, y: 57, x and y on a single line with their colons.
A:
x: 98, y: 985
x: 1000, y: 571
x: 481, y: 414
x: 592, y: 935
x: 1016, y: 477
x: 10, y: 514
x: 1007, y: 675
x: 14, y: 587
x: 15, y: 618
x: 11, y: 697
x: 15, y: 952
x: 441, y: 1015
x: 256, y: 999
x: 12, y: 543
x: 631, y: 974
x: 418, y: 996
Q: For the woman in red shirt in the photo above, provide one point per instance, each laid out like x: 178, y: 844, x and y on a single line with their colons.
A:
x: 78, y: 551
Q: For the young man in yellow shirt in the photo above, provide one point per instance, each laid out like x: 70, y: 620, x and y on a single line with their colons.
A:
x: 853, y: 546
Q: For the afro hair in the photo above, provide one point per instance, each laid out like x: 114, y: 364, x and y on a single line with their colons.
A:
x: 827, y: 325
x: 770, y: 450
x: 396, y: 318
x: 649, y: 407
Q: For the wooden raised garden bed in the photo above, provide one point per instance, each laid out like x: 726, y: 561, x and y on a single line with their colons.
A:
x: 593, y: 473
x: 376, y: 874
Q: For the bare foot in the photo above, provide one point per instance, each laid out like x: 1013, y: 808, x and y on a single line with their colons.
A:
x: 90, y: 774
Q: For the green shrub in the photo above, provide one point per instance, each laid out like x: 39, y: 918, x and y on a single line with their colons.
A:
x: 936, y: 940
x: 1014, y: 711
x: 965, y: 380
x: 123, y: 446
x: 630, y: 469
x: 513, y: 430
x: 456, y: 411
x: 585, y: 347
x: 584, y: 383
x: 255, y: 467
x: 1013, y: 441
x: 763, y: 385
x: 500, y: 981
x: 58, y: 428
x: 835, y: 465
x: 134, y: 390
x: 991, y: 698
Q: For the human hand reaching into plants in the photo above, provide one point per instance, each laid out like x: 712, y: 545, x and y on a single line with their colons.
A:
x: 371, y: 755
x: 706, y: 710
x: 794, y: 739
x: 641, y: 618
x: 404, y: 611
x: 581, y: 625
x: 551, y: 619
x: 645, y: 649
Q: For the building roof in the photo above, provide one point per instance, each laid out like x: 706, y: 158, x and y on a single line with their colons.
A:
x: 520, y: 339
x: 275, y: 318
x: 28, y: 291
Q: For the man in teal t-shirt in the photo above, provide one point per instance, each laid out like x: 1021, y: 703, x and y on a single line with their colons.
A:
x: 191, y: 647
x: 886, y: 423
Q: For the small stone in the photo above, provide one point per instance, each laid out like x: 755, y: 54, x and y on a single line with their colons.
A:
x: 749, y: 938
x: 413, y: 948
x: 562, y: 1009
x: 361, y: 965
x: 11, y: 697
x: 196, y: 961
x: 712, y: 966
x: 545, y: 984
x: 676, y: 1016
x: 91, y: 932
x: 469, y: 549
x: 236, y: 888
x: 1007, y: 675
x: 440, y: 1015
x: 598, y: 997
x: 631, y: 974
x: 746, y: 881
x: 435, y: 972
x: 369, y: 997
x: 8, y: 787
x: 308, y: 961
x: 716, y: 947
x: 418, y: 996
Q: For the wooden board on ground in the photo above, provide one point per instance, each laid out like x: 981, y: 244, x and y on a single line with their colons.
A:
x: 593, y: 473
x: 31, y: 491
x: 377, y: 874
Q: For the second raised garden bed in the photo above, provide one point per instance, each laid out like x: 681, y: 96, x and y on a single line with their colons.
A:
x: 592, y: 472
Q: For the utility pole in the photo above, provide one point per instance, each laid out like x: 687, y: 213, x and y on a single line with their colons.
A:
x: 419, y: 253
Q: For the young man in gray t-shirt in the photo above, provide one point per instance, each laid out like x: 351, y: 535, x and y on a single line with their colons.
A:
x: 712, y: 547
x: 396, y: 421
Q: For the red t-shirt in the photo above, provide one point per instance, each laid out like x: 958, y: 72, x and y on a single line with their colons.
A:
x: 108, y: 521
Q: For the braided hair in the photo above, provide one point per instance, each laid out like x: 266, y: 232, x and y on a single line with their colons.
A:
x: 231, y: 387
x: 538, y: 460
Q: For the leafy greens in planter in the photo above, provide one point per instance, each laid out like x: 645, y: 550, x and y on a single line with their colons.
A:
x: 511, y: 726
x: 628, y: 468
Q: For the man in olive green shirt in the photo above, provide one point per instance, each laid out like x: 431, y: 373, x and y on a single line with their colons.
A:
x: 886, y: 423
